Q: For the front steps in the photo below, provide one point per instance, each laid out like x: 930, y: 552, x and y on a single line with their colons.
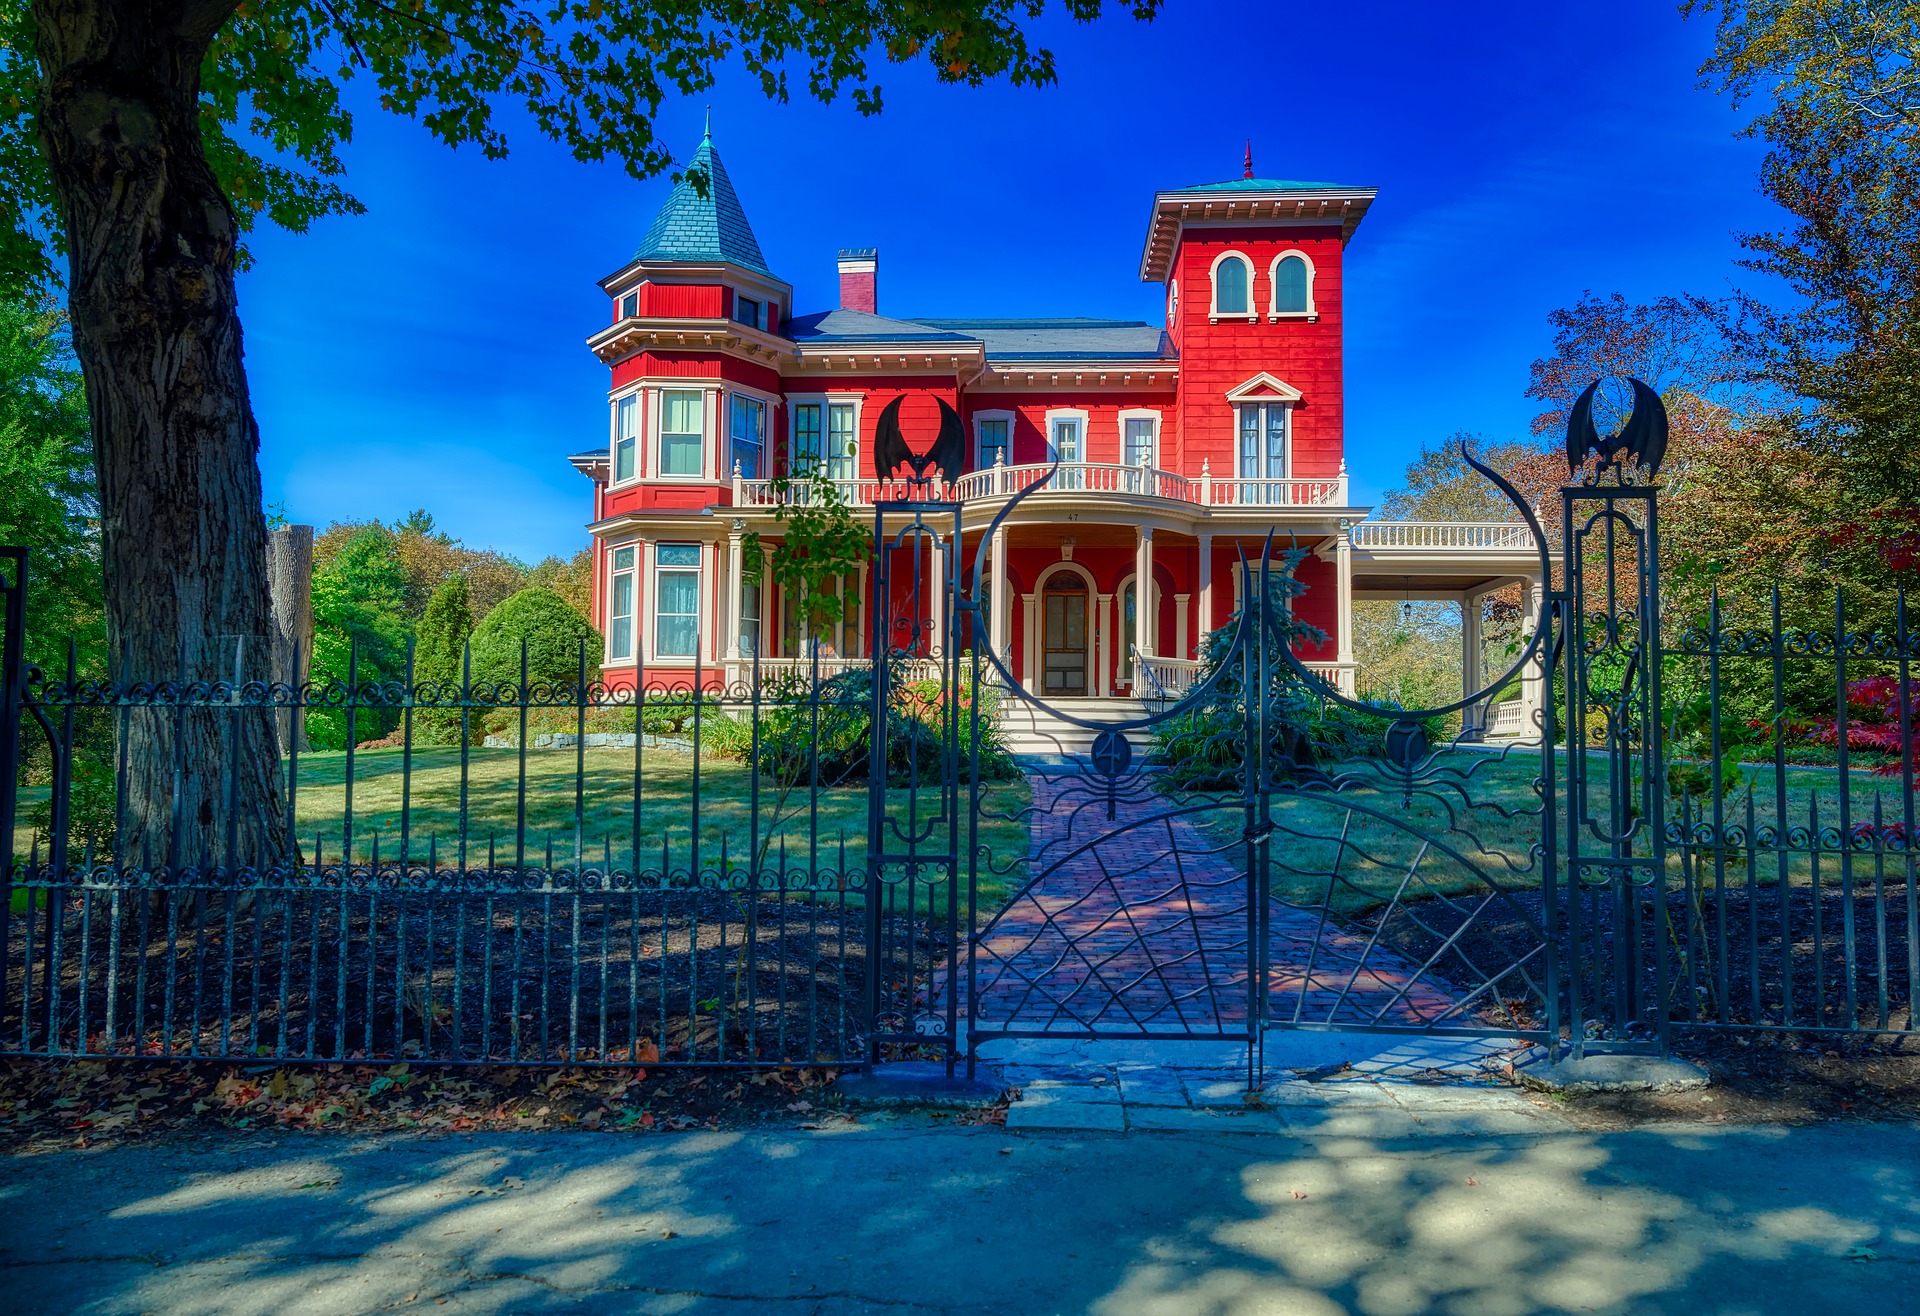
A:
x: 1025, y: 729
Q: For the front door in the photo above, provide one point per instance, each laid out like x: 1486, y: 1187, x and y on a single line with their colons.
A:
x: 1064, y: 636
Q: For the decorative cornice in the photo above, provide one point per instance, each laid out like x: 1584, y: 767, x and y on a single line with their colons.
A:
x: 641, y: 333
x: 827, y: 360
x: 1023, y: 376
x: 1173, y: 211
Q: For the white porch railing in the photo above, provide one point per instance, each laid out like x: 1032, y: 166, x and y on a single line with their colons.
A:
x: 773, y: 669
x: 1441, y: 534
x: 1508, y: 719
x: 1169, y: 678
x: 1072, y: 478
x: 1273, y: 493
x: 1075, y: 477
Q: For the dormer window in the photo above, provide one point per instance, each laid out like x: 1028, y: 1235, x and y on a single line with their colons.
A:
x: 1232, y: 286
x: 1293, y: 286
x: 749, y: 311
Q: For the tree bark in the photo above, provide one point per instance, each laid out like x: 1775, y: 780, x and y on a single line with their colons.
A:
x: 150, y: 241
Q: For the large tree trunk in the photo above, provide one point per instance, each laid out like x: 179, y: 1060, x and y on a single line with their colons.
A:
x: 151, y: 244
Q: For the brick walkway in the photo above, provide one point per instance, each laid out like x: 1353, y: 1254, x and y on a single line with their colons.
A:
x: 1146, y: 930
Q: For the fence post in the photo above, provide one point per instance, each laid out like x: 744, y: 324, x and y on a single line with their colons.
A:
x: 290, y: 584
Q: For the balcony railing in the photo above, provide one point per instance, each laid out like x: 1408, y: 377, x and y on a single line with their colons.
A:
x: 1441, y: 535
x: 1072, y: 478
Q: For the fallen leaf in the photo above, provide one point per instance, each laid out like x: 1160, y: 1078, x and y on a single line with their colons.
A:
x: 1299, y: 1196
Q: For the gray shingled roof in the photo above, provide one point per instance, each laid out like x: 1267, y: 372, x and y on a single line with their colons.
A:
x: 706, y: 228
x: 844, y: 326
x: 1075, y: 339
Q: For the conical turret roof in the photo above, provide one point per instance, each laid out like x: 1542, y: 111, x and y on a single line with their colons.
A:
x: 709, y: 228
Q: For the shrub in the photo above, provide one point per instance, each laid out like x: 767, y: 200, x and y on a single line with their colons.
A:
x: 553, y: 633
x: 1204, y: 748
x: 439, y: 652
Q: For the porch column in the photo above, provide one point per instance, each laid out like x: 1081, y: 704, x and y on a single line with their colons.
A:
x: 1143, y: 618
x: 1002, y: 606
x: 709, y: 624
x: 1343, y: 588
x: 937, y: 595
x: 1180, y: 602
x: 1533, y: 680
x: 1206, y: 584
x: 735, y: 570
x: 1473, y: 717
x: 1103, y: 681
x: 772, y: 606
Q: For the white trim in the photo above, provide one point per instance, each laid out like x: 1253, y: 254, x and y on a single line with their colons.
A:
x: 1078, y: 415
x: 1246, y: 392
x: 1312, y: 313
x: 1011, y: 417
x: 1214, y: 314
x: 1139, y: 413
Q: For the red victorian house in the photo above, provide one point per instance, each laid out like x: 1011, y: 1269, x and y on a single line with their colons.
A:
x: 1179, y: 448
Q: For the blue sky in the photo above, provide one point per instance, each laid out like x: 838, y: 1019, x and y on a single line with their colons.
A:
x: 430, y: 353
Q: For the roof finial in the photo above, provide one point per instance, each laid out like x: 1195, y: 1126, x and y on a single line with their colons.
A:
x: 707, y: 133
x: 1249, y: 173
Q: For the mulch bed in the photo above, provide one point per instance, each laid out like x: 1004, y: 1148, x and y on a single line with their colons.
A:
x: 48, y: 1105
x: 679, y: 975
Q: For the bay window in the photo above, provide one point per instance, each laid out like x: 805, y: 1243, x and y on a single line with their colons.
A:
x: 626, y: 436
x: 676, y: 600
x: 620, y: 605
x: 748, y: 430
x: 683, y: 431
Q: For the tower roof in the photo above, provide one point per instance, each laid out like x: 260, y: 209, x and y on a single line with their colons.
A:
x: 707, y: 229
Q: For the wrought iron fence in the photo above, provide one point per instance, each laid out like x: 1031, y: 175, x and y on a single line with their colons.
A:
x: 529, y: 871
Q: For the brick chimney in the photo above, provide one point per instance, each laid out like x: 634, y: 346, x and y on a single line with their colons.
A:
x: 858, y: 272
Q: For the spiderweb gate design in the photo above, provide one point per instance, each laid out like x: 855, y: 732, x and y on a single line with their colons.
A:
x: 1278, y: 892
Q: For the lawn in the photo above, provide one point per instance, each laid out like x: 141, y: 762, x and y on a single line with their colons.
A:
x: 1479, y: 811
x: 802, y: 832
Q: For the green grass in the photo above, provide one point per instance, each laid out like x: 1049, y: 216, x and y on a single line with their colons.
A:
x: 1487, y: 814
x: 825, y: 832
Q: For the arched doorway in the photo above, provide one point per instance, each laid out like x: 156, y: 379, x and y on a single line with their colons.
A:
x: 1064, y: 634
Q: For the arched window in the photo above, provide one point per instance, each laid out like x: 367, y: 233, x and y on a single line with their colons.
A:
x: 1292, y: 285
x: 1232, y: 278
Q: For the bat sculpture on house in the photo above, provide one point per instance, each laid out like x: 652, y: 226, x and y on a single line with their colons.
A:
x: 947, y: 455
x: 1640, y: 444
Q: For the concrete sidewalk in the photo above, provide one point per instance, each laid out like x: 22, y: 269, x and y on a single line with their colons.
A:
x: 1366, y: 1209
